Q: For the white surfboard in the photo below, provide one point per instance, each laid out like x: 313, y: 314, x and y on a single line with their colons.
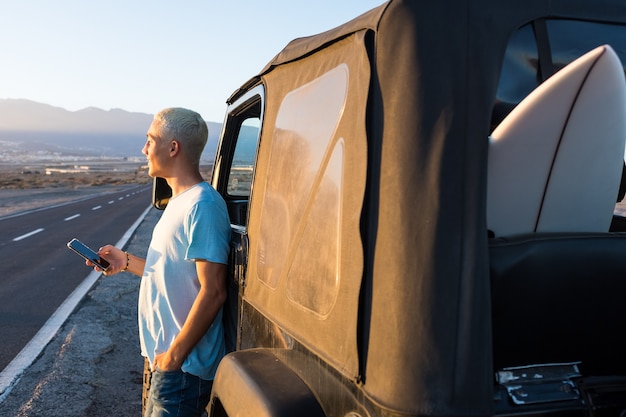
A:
x: 555, y: 161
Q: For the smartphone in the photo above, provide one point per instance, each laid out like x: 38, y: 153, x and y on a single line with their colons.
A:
x: 87, y: 253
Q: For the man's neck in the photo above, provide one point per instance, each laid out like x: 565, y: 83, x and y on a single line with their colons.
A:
x: 180, y: 184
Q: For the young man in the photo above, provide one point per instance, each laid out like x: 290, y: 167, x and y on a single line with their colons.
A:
x: 183, y: 283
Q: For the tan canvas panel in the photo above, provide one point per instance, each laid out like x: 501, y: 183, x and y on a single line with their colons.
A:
x: 304, y: 224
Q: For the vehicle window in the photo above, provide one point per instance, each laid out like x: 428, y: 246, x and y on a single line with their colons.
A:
x: 566, y: 40
x: 236, y: 158
x: 559, y: 41
x: 302, y: 205
x: 570, y: 39
x: 241, y: 168
x: 519, y: 67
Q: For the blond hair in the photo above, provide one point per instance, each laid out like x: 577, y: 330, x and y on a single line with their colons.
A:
x: 186, y: 127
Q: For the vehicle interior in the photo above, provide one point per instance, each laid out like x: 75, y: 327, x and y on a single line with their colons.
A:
x: 556, y: 225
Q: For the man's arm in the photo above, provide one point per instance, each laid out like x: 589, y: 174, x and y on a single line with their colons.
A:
x: 120, y: 261
x: 212, y: 295
x: 135, y: 264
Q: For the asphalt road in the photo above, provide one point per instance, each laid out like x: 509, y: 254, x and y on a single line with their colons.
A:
x: 38, y: 272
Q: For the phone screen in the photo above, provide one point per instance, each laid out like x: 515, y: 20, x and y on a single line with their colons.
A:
x: 87, y: 253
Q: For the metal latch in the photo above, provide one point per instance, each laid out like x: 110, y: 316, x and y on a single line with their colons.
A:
x: 534, y: 384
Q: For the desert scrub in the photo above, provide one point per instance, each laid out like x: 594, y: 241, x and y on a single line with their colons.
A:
x: 26, y: 180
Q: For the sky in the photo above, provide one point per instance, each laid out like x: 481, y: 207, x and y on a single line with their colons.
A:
x: 145, y: 55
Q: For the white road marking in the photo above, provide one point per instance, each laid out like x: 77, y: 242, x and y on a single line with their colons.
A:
x: 111, y: 202
x: 96, y: 207
x: 11, y: 374
x: 67, y: 219
x: 29, y: 234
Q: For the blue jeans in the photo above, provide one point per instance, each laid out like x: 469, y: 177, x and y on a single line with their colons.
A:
x: 177, y: 394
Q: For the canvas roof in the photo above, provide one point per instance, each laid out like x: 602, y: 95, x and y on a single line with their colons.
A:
x: 425, y: 281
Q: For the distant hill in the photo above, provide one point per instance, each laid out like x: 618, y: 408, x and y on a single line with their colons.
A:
x: 33, y: 126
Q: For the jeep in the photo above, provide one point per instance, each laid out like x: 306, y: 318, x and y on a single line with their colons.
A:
x: 425, y: 216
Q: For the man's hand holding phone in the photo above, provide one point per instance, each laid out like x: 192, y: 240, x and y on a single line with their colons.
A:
x: 108, y: 259
x: 89, y: 255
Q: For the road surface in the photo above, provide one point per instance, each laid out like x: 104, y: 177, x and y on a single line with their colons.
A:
x: 38, y: 272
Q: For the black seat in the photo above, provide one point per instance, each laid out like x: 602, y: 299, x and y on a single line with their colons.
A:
x: 560, y: 298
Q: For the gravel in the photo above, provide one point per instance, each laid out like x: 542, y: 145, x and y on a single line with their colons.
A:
x: 93, y: 366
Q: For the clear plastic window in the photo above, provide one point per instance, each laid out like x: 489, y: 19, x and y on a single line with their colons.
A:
x: 242, y: 166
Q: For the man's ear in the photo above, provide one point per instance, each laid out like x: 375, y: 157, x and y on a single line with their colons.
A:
x: 174, y: 148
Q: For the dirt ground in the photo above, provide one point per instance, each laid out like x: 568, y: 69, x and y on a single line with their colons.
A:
x: 31, y: 188
x: 93, y: 366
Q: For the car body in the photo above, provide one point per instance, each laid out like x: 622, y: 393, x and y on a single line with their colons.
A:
x: 364, y: 280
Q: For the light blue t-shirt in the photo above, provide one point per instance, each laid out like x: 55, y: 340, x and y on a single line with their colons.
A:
x: 194, y: 225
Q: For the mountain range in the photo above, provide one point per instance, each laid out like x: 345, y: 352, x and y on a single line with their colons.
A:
x: 29, y: 126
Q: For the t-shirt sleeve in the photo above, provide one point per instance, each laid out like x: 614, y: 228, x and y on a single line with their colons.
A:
x: 208, y: 230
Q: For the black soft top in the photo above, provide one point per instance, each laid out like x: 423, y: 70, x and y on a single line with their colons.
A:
x: 434, y: 69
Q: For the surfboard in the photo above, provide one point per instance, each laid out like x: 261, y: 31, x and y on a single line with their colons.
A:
x: 555, y: 161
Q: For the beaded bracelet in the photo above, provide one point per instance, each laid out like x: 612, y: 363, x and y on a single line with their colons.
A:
x: 127, y: 262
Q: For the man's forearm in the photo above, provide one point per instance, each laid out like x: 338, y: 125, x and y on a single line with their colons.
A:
x: 135, y: 264
x: 200, y: 318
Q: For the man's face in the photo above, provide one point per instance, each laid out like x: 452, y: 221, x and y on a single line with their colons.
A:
x: 156, y: 150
